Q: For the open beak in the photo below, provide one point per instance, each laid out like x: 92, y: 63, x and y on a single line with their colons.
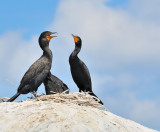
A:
x: 50, y: 37
x: 53, y: 33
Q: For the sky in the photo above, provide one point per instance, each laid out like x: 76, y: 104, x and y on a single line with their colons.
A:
x: 120, y: 46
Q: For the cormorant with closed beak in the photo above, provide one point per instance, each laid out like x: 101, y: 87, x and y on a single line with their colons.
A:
x: 39, y: 70
x: 79, y: 70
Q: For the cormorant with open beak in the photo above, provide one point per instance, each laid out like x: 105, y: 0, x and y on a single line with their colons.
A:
x: 39, y: 70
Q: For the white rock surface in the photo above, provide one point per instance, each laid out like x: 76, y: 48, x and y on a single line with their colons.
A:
x: 47, y: 116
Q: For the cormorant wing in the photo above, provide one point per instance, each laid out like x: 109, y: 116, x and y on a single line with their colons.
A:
x: 34, y: 70
x: 86, y: 71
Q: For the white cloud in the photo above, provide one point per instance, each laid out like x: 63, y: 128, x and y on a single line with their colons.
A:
x: 110, y: 36
x: 17, y: 54
x: 110, y: 82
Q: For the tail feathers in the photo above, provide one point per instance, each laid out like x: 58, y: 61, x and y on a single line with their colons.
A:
x: 14, y: 97
x: 91, y: 93
x: 65, y: 88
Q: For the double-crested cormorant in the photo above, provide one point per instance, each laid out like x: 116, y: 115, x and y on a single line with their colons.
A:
x: 79, y: 70
x: 39, y: 70
x: 54, y: 85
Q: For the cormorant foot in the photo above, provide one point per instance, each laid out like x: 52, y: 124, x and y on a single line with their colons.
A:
x: 35, y: 94
x: 30, y: 97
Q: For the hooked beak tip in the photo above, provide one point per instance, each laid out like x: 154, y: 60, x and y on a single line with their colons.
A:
x: 54, y: 33
x: 72, y: 35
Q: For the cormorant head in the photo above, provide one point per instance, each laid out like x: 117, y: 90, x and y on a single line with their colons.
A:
x: 45, y: 38
x: 77, y: 40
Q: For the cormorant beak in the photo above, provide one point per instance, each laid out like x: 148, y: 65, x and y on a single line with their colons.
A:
x: 76, y: 39
x: 50, y: 37
x: 54, y: 33
x: 73, y: 36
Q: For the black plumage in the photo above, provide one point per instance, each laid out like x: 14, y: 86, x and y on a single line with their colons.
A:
x: 54, y: 85
x: 39, y: 70
x: 79, y: 70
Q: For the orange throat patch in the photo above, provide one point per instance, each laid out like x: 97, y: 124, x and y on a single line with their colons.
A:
x: 49, y: 37
x: 76, y: 40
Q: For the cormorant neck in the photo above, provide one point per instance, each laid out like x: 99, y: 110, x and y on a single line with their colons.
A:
x: 45, y: 47
x: 77, y: 49
x: 47, y: 52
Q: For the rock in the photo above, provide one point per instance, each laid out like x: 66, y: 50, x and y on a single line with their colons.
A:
x: 48, y: 116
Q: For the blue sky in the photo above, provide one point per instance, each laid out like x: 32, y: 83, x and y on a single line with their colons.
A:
x: 31, y: 16
x: 120, y: 47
